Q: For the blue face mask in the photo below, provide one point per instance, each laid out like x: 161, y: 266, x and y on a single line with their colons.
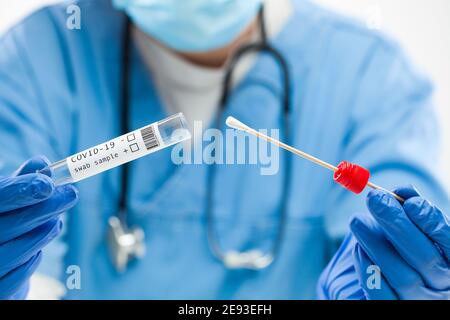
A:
x: 191, y: 25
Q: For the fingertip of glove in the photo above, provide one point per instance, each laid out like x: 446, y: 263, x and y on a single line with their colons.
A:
x: 375, y: 198
x: 407, y: 191
x: 41, y: 186
x: 354, y: 222
x: 51, y: 228
x: 414, y: 202
x: 382, y: 205
x: 357, y: 225
x: 58, y: 227
x: 41, y: 159
x: 375, y: 193
x: 362, y: 225
x: 416, y: 206
x: 32, y: 165
x: 69, y: 193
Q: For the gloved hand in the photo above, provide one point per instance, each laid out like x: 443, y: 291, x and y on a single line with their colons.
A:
x: 410, y: 245
x: 339, y: 280
x: 30, y: 206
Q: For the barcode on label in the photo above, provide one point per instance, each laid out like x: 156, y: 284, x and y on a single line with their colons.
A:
x: 149, y: 137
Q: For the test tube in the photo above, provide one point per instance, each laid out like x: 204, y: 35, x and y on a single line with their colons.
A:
x: 120, y: 150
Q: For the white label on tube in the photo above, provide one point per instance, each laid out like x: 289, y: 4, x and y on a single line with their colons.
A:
x: 115, y: 152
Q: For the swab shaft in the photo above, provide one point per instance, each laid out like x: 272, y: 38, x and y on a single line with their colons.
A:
x: 290, y: 149
x: 374, y: 186
x: 239, y: 125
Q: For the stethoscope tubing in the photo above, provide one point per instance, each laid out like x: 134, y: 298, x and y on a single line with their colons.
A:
x: 261, y: 47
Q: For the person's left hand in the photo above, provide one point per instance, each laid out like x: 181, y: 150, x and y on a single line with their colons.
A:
x: 409, y: 245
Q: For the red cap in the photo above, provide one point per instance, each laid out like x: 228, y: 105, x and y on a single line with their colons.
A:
x: 351, y: 176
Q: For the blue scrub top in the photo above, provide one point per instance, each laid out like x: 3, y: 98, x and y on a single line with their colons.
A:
x: 355, y: 97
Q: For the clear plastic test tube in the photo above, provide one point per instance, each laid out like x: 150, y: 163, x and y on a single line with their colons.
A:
x: 120, y: 150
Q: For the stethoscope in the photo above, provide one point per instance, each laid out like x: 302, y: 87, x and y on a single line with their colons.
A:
x: 127, y: 243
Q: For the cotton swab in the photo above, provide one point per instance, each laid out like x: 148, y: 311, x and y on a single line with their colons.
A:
x: 349, y: 175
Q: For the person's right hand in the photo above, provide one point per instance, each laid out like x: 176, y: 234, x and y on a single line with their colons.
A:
x: 30, y: 206
x: 405, y: 246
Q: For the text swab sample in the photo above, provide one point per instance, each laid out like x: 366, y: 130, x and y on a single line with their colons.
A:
x: 120, y: 150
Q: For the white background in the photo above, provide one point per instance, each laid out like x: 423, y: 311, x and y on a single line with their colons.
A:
x: 421, y: 26
x: 423, y: 29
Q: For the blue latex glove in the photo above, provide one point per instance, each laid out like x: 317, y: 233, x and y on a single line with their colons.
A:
x: 30, y: 206
x: 339, y: 280
x: 410, y: 244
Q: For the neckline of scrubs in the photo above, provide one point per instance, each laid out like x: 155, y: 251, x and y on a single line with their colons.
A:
x: 180, y: 172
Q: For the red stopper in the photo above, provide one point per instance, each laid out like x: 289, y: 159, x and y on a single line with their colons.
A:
x: 351, y: 176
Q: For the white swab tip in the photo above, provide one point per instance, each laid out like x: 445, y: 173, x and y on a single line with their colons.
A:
x: 235, y: 123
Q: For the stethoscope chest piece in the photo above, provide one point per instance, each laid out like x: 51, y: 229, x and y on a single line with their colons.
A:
x: 250, y: 260
x: 124, y: 245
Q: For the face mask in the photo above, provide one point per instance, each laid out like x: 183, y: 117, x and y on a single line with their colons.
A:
x: 191, y: 25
